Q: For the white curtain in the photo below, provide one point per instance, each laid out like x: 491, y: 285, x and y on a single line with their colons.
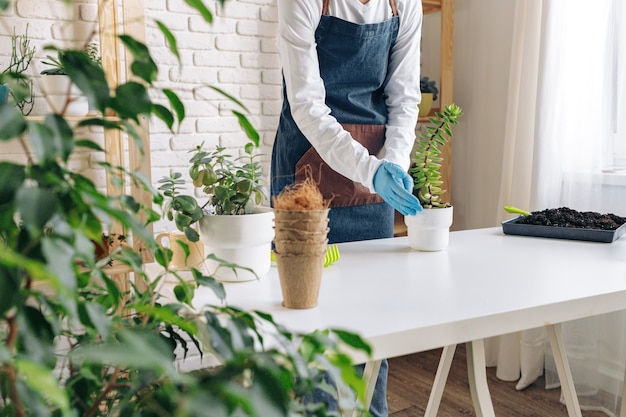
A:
x: 567, y: 84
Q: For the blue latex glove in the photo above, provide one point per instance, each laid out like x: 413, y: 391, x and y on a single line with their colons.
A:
x: 395, y: 187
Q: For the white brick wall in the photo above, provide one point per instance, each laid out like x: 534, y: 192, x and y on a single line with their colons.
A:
x: 237, y: 53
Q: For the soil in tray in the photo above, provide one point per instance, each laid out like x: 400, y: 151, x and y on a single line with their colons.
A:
x: 566, y: 217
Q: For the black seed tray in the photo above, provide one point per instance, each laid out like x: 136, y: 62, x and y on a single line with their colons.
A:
x: 511, y: 227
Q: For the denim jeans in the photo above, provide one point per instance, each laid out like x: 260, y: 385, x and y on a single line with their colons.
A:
x: 378, y: 406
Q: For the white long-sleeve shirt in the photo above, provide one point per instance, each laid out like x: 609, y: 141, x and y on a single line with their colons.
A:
x: 298, y: 21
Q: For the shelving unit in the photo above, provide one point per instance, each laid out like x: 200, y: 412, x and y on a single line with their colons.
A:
x: 446, y: 80
x: 119, y: 150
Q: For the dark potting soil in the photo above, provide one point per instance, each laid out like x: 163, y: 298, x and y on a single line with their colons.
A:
x: 567, y: 217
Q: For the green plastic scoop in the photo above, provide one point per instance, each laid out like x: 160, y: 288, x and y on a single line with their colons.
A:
x: 515, y: 210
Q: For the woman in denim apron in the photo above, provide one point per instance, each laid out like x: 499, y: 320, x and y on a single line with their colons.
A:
x: 351, y: 89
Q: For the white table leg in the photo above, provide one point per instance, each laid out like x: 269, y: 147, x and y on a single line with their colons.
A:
x: 440, y: 381
x: 623, y: 407
x: 563, y: 370
x: 477, y: 376
x: 370, y: 375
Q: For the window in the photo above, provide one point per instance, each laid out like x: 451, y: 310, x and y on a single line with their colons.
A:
x: 618, y: 162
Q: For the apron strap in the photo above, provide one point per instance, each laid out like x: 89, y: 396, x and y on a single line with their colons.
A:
x: 394, y: 9
x: 392, y: 3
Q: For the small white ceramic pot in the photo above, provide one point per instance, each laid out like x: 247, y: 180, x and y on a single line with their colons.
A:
x: 429, y: 230
x: 245, y: 240
x: 56, y: 88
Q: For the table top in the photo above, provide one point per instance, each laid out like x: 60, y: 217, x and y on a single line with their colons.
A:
x: 484, y: 284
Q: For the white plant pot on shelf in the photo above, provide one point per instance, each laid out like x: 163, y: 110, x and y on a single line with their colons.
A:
x: 429, y: 230
x: 245, y: 240
x: 55, y: 89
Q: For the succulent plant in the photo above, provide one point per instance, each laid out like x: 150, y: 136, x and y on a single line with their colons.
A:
x: 426, y: 159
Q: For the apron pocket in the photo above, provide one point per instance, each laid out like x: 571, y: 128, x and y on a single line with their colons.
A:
x: 341, y: 191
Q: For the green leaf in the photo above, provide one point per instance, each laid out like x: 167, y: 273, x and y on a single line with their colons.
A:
x: 43, y: 381
x: 183, y: 293
x: 136, y: 349
x: 60, y: 260
x: 353, y: 340
x: 88, y: 76
x: 170, y: 40
x: 36, y: 206
x: 176, y: 104
x: 131, y: 100
x: 210, y: 282
x: 99, y: 122
x: 244, y: 186
x: 191, y: 234
x: 62, y: 135
x: 267, y: 395
x: 94, y: 316
x: 230, y: 97
x: 202, y: 9
x: 88, y: 144
x: 143, y: 65
x: 35, y: 269
x: 182, y: 220
x: 9, y: 291
x: 164, y: 114
x: 43, y: 148
x: 11, y: 179
x: 167, y: 315
x: 12, y: 122
x: 36, y: 335
x: 162, y: 256
x: 247, y: 127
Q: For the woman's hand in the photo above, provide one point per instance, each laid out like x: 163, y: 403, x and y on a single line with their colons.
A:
x: 395, y: 187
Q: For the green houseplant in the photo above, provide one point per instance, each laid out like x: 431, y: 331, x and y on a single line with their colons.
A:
x: 230, y: 223
x: 93, y: 52
x: 75, y: 341
x: 232, y: 185
x: 13, y: 79
x: 428, y: 230
x: 428, y: 86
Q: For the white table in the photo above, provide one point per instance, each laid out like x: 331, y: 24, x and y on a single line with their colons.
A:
x: 484, y: 284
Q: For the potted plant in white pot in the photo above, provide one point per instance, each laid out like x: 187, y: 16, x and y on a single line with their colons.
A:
x: 61, y: 94
x: 429, y: 229
x: 232, y: 224
x: 429, y: 91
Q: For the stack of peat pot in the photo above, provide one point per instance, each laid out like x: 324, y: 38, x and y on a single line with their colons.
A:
x: 300, y: 241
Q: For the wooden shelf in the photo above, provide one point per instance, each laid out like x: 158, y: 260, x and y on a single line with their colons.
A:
x: 118, y: 269
x: 74, y: 119
x: 424, y: 119
x: 114, y: 270
x: 431, y: 6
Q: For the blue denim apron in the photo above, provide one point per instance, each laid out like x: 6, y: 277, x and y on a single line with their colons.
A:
x: 353, y: 61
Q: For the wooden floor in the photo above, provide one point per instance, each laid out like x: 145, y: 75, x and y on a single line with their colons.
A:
x: 410, y: 379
